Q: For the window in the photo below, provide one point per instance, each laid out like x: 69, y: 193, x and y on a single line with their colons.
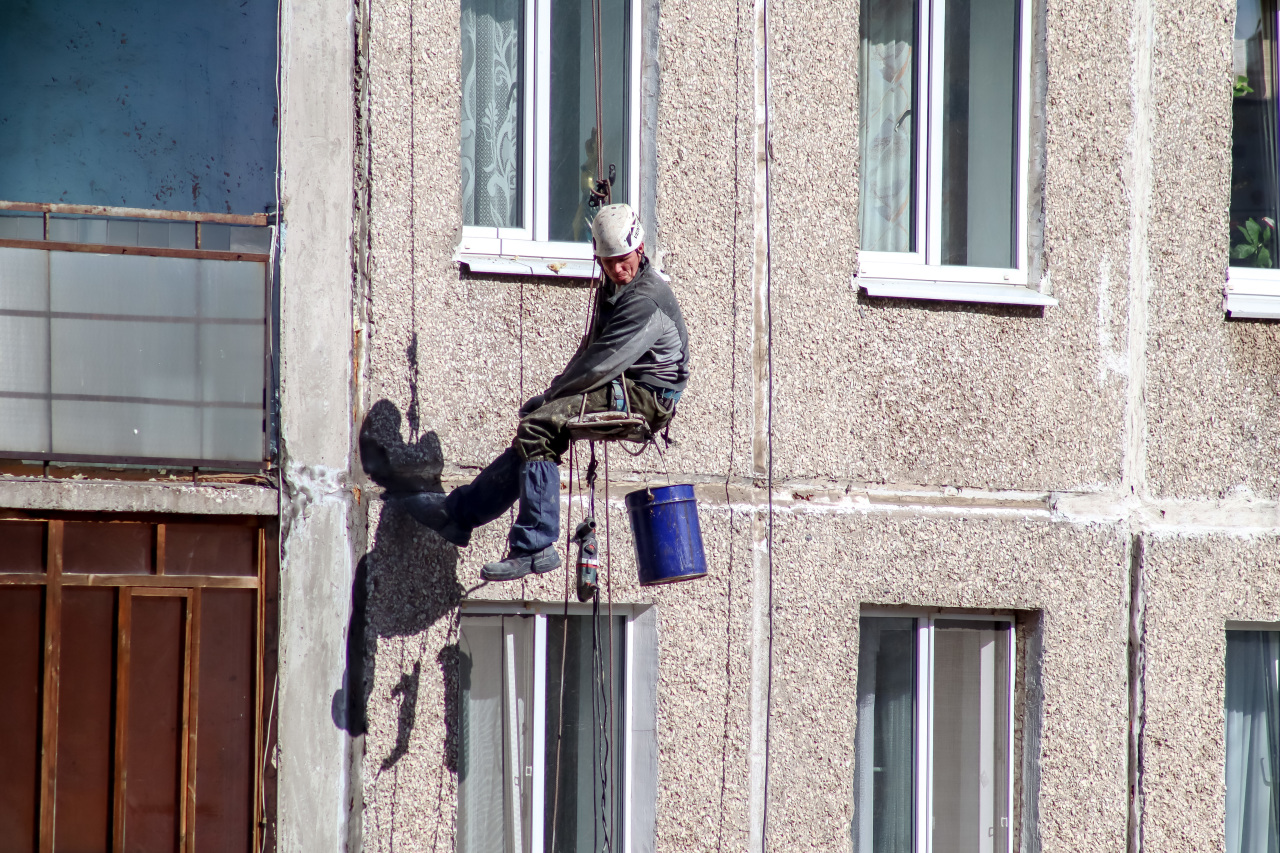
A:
x: 133, y: 660
x: 1253, y: 740
x: 528, y: 149
x: 1253, y: 288
x: 136, y: 174
x: 934, y: 738
x: 944, y: 136
x: 511, y: 734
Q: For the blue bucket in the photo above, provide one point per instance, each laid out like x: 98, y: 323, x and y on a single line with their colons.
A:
x: 664, y: 525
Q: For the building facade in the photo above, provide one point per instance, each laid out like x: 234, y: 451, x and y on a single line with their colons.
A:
x: 982, y: 427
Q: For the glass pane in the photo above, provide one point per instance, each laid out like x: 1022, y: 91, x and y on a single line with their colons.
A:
x: 24, y: 425
x: 23, y: 547
x: 1254, y: 203
x: 210, y: 549
x: 492, y: 121
x: 155, y: 723
x: 495, y: 769
x: 85, y: 720
x: 1253, y: 740
x: 884, y: 783
x: 127, y: 429
x: 21, y: 638
x: 24, y: 279
x: 970, y: 736
x: 591, y: 738
x: 573, y: 153
x: 887, y: 69
x: 225, y: 765
x: 106, y: 548
x: 24, y: 355
x: 980, y: 133
x: 21, y: 226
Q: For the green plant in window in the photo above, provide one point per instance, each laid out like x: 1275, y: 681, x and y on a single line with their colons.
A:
x: 1240, y: 87
x: 1256, y: 245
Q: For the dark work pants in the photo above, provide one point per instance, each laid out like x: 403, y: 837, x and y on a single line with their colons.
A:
x: 527, y: 470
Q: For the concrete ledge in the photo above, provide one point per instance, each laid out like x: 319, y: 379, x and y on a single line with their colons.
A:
x: 98, y: 496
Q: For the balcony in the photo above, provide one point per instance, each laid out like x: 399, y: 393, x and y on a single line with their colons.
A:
x: 134, y: 336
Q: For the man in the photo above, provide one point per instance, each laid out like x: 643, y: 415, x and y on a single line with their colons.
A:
x: 638, y: 338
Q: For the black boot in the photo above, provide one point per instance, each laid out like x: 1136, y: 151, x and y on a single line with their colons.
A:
x: 515, y: 566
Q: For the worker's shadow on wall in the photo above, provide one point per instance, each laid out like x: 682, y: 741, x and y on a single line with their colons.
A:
x: 404, y: 584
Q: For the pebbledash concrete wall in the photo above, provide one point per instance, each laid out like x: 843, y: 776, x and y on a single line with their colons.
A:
x: 1107, y: 469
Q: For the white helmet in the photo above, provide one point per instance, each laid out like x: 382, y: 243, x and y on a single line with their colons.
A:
x: 616, y: 231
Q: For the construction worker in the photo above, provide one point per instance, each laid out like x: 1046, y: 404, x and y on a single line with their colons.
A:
x: 638, y: 338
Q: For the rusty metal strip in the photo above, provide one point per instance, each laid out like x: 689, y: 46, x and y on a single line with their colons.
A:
x: 190, y: 720
x: 160, y: 545
x: 258, y: 736
x: 52, y: 680
x: 148, y: 251
x: 124, y: 634
x: 142, y: 583
x: 136, y: 213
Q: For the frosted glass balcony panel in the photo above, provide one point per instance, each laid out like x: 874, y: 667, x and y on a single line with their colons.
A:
x: 86, y: 283
x: 232, y: 434
x: 24, y: 425
x: 122, y: 232
x: 233, y: 290
x: 24, y: 354
x: 21, y: 226
x: 24, y: 280
x: 124, y: 359
x: 74, y: 229
x: 126, y: 429
x: 232, y: 363
x: 215, y: 238
x: 250, y: 238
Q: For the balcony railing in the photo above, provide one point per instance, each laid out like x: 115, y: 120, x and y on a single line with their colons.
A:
x: 134, y: 336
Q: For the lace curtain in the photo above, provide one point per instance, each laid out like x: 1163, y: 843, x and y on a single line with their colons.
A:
x: 887, y: 131
x: 491, y: 125
x: 1253, y: 741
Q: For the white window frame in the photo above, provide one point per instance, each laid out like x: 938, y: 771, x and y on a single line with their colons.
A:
x: 923, y: 769
x: 527, y: 250
x: 1252, y: 293
x: 920, y: 274
x: 539, y: 611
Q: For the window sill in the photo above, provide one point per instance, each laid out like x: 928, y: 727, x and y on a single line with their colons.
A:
x: 954, y: 291
x: 1251, y: 295
x: 525, y: 265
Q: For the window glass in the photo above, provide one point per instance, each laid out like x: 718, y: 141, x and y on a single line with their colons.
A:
x: 573, y: 110
x: 979, y: 132
x: 492, y: 122
x: 970, y: 735
x: 1254, y: 156
x: 932, y: 743
x: 886, y: 736
x: 506, y: 764
x: 887, y: 68
x: 1253, y: 740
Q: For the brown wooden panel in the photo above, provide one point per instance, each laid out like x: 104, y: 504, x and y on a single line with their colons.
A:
x: 211, y: 549
x: 225, y: 756
x: 21, y: 616
x: 22, y: 546
x: 105, y: 548
x: 84, y: 777
x: 155, y: 724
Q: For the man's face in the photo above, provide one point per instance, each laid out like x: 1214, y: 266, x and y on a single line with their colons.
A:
x: 624, y: 267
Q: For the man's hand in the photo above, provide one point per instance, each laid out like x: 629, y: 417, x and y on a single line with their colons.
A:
x: 537, y: 401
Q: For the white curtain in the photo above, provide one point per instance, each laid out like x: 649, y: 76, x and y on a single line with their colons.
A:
x: 887, y: 127
x: 490, y: 124
x: 1253, y: 738
x: 884, y: 743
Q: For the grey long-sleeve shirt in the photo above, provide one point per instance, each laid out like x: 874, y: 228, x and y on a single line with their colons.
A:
x: 639, y: 331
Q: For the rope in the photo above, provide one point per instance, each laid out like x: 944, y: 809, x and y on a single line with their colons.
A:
x: 608, y: 585
x: 564, y: 653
